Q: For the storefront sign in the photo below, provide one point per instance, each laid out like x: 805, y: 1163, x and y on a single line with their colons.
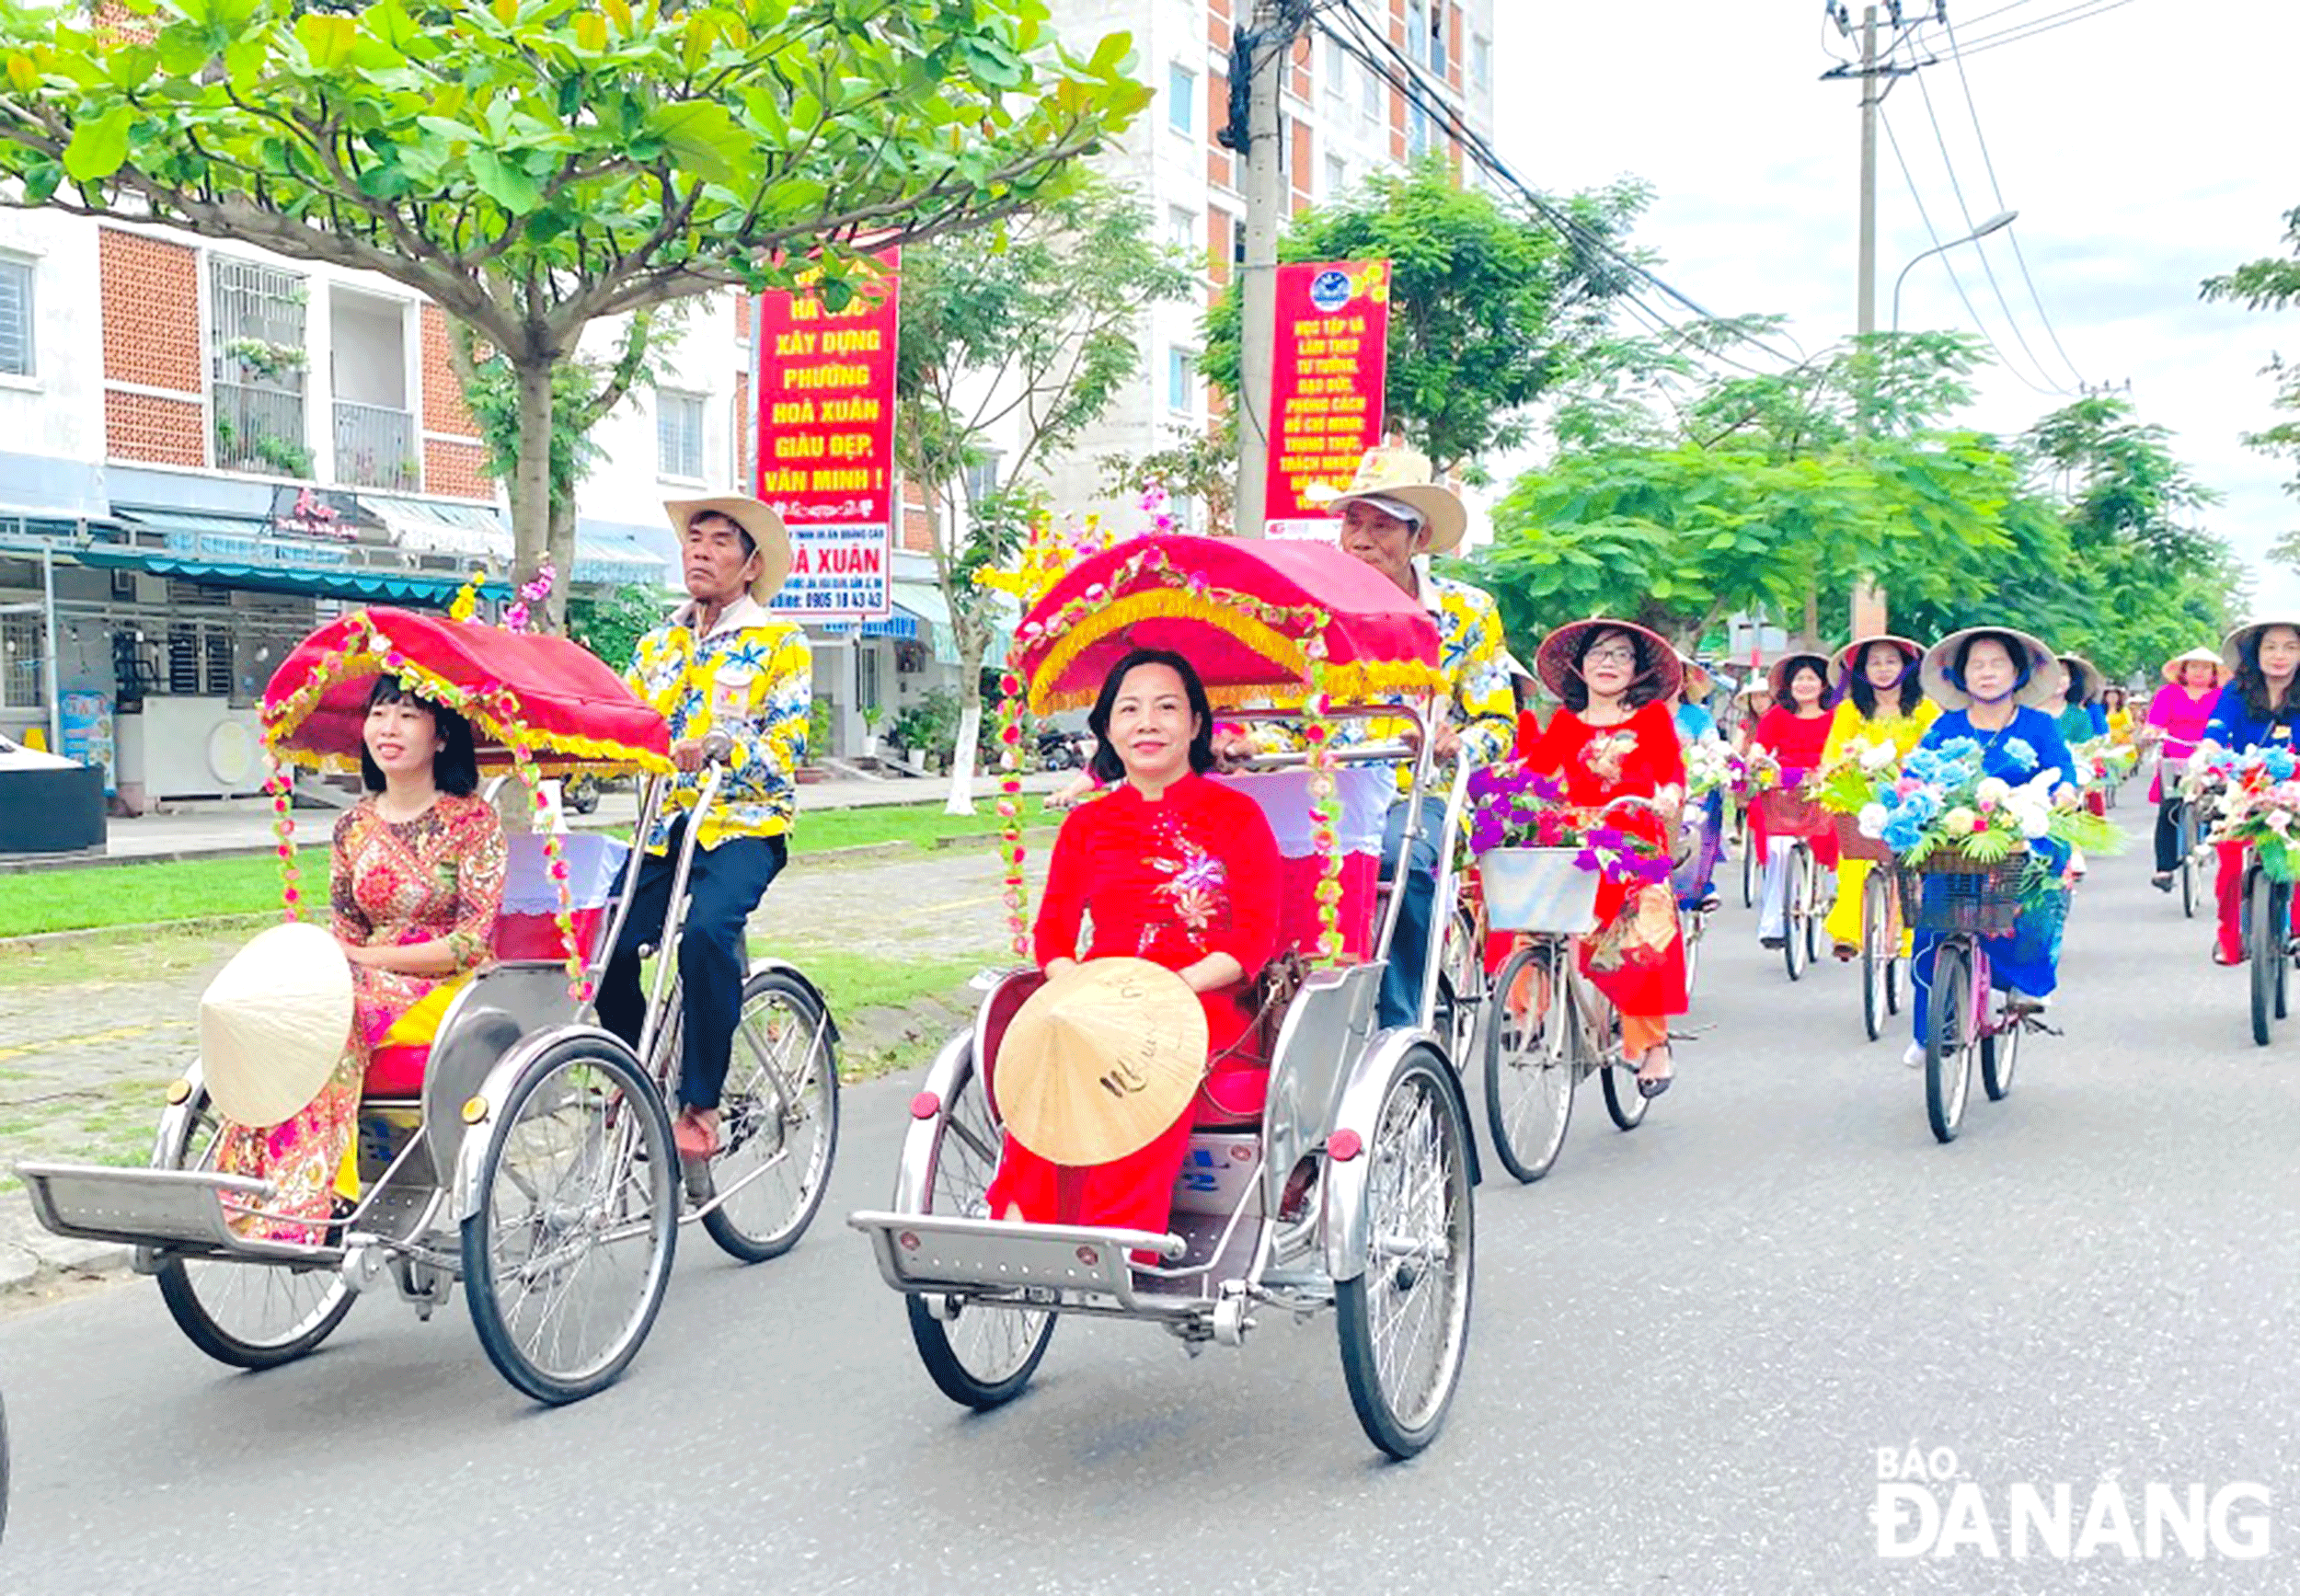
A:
x: 826, y: 444
x: 1328, y: 367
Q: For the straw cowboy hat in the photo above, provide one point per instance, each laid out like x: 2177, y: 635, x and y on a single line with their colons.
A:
x: 273, y: 1024
x: 1776, y: 675
x: 2194, y: 656
x: 1402, y: 477
x: 1100, y: 1061
x: 2232, y: 649
x: 2085, y: 679
x: 1850, y: 656
x: 2045, y: 675
x: 768, y: 535
x: 1554, y: 661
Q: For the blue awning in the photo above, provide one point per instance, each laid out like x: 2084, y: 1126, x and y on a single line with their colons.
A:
x: 358, y: 586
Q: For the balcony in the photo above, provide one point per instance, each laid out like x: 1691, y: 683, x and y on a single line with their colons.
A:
x: 260, y: 428
x: 375, y: 447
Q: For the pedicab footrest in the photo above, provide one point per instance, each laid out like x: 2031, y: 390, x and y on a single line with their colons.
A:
x: 145, y: 1207
x: 923, y: 1253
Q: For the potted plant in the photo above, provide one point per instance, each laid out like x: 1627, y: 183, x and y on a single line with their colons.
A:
x: 872, y: 715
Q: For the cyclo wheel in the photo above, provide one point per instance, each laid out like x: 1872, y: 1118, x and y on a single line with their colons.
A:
x: 1948, y: 1040
x: 1797, y: 911
x: 977, y: 1355
x: 2267, y: 949
x: 568, y: 1250
x: 1404, y: 1323
x: 1530, y: 1061
x: 1877, y: 952
x: 778, y: 1119
x: 1625, y: 1104
x: 249, y: 1316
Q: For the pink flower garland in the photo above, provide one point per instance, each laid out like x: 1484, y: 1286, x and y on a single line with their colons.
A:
x: 1010, y: 811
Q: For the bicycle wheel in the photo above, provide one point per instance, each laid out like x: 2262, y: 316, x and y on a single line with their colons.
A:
x: 2000, y: 1055
x: 1404, y: 1322
x: 1948, y: 1040
x: 568, y: 1250
x: 2283, y: 913
x: 978, y: 1356
x: 2188, y: 862
x: 1461, y: 986
x: 1748, y: 869
x: 1531, y: 1036
x: 1797, y: 912
x: 1694, y: 930
x: 778, y: 1119
x: 2265, y: 949
x: 1625, y: 1104
x: 1876, y: 954
x: 248, y: 1316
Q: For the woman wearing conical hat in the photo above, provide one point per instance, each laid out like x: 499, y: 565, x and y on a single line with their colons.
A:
x: 2176, y: 719
x: 1880, y: 699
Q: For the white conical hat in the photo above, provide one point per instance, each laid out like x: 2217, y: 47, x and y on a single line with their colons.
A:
x: 273, y: 1024
x: 1100, y: 1061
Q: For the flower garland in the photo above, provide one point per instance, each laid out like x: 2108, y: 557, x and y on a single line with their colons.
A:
x: 1010, y: 811
x: 280, y: 785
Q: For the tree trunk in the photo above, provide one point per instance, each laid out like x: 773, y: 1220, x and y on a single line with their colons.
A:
x: 971, y: 650
x: 531, y: 488
x: 563, y: 564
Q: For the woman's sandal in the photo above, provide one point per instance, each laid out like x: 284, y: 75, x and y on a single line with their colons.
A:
x: 1653, y: 1086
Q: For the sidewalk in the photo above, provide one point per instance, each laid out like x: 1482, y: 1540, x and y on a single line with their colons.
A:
x: 243, y: 825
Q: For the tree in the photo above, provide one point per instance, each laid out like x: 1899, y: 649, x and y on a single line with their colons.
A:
x: 1198, y: 466
x: 1033, y: 340
x: 2273, y: 283
x: 1490, y: 310
x: 535, y: 165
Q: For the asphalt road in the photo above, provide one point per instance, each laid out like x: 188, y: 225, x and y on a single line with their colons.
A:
x: 1689, y: 1347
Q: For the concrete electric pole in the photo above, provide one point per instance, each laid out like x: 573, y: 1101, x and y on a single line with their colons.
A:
x: 1258, y: 65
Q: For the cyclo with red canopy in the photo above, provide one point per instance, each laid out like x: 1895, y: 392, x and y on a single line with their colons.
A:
x: 527, y: 1152
x: 1350, y: 1191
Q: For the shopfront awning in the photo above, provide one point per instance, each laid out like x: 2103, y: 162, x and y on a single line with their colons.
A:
x: 924, y: 599
x: 422, y: 526
x: 234, y: 539
x: 346, y: 583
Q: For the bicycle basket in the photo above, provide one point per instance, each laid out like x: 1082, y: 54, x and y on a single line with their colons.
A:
x: 1852, y: 844
x: 1538, y: 889
x: 1784, y: 814
x: 1949, y: 892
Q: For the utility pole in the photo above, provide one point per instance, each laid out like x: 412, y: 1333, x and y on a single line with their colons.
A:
x: 1258, y: 65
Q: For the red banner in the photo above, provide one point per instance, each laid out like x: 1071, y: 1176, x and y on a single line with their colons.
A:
x: 826, y: 444
x: 1328, y: 367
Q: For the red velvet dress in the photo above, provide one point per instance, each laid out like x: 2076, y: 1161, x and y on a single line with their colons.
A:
x: 1651, y: 979
x: 1797, y: 742
x: 1170, y: 880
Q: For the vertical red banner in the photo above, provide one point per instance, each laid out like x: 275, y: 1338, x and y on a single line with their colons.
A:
x: 1327, y: 368
x: 826, y: 444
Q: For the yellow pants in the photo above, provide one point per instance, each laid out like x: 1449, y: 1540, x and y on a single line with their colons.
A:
x: 1843, y: 923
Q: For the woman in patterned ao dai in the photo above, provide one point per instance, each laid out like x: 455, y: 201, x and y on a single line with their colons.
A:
x: 417, y: 883
x: 1173, y: 868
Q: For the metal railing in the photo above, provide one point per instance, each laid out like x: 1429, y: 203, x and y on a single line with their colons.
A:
x: 375, y: 447
x: 260, y: 428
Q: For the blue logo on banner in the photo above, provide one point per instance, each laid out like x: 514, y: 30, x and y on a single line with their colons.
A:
x: 1330, y: 291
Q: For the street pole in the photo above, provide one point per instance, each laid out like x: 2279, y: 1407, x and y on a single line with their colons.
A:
x: 1869, y: 615
x: 1259, y: 52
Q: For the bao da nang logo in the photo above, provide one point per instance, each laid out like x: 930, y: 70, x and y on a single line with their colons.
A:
x: 1928, y: 1507
x: 1330, y: 291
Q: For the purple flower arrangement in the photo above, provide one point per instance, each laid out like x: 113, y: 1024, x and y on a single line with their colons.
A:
x: 1512, y: 806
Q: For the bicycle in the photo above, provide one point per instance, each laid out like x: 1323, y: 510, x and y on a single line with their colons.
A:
x: 1882, y: 927
x: 1793, y: 820
x: 2266, y: 929
x: 1962, y: 906
x: 1537, y: 1048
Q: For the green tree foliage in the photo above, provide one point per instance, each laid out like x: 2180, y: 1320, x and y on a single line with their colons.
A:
x: 535, y: 165
x: 1032, y: 340
x: 2273, y: 283
x: 1490, y: 310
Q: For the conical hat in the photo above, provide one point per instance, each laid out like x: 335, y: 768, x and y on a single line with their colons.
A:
x: 1853, y: 652
x: 2085, y: 679
x: 273, y: 1024
x: 2045, y: 676
x: 2194, y: 656
x: 1777, y: 674
x: 2232, y: 647
x: 1100, y: 1061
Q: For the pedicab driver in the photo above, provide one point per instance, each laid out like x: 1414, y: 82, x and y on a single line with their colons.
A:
x: 722, y: 667
x: 1394, y: 517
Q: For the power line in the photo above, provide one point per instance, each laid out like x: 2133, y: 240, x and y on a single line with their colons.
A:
x: 2019, y: 32
x: 1570, y: 227
x: 1988, y: 164
x: 1979, y: 247
x: 1893, y: 142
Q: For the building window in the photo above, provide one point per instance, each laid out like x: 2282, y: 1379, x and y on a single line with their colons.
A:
x: 1481, y: 65
x: 981, y: 476
x: 23, y: 660
x: 678, y: 435
x: 15, y: 317
x: 1181, y: 99
x: 1181, y: 382
x: 1337, y: 175
x: 1436, y: 53
x: 259, y: 366
x: 1369, y: 94
x: 1420, y: 136
x: 1418, y: 30
x: 1182, y: 227
x: 1330, y: 89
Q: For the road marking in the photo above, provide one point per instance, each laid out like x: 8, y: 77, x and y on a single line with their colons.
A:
x: 88, y: 1039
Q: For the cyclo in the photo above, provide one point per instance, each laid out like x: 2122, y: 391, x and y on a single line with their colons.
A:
x: 529, y: 1153
x: 1352, y: 1191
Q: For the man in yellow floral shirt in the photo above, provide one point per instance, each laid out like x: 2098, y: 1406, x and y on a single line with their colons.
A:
x: 721, y: 668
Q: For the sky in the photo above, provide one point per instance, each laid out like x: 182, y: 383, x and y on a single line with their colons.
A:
x: 2145, y: 147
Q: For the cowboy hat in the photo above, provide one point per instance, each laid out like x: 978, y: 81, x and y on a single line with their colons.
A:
x: 2045, y: 675
x: 1101, y: 1061
x: 2232, y: 648
x: 768, y: 534
x: 2084, y: 678
x: 2172, y: 671
x: 1556, y: 658
x: 273, y: 1024
x: 1404, y: 477
x: 1855, y: 651
x: 1777, y: 674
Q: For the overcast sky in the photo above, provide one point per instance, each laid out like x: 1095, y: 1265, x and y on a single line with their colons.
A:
x: 2145, y: 148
